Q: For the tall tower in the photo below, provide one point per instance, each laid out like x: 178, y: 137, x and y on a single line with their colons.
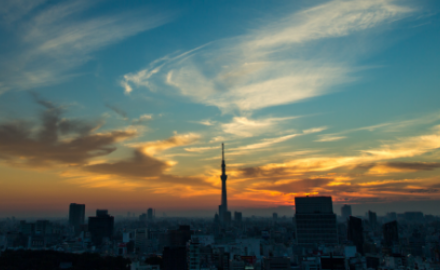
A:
x: 223, y: 208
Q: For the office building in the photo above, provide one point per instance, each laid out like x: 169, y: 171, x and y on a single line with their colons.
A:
x: 390, y: 234
x: 76, y: 216
x: 355, y: 233
x: 276, y: 263
x: 414, y: 216
x: 345, y: 211
x: 238, y: 217
x: 372, y: 219
x: 275, y: 217
x: 179, y: 237
x: 141, y: 243
x: 150, y: 214
x: 174, y: 258
x: 315, y: 221
x: 101, y: 226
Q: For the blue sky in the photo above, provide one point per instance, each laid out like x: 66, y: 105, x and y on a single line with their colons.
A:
x: 325, y: 98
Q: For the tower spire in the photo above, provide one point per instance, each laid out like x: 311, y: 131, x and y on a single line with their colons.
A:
x: 224, y: 200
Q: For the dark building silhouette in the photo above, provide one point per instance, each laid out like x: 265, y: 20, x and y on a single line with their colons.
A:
x: 174, y: 258
x: 372, y: 219
x: 238, y: 217
x: 355, y: 233
x: 179, y: 237
x: 275, y: 217
x: 390, y: 234
x: 77, y: 216
x: 345, y: 211
x: 414, y: 216
x: 150, y: 214
x: 281, y: 263
x: 315, y: 221
x: 101, y: 226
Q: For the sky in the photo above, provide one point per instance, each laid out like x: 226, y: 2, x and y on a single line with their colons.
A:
x: 124, y: 105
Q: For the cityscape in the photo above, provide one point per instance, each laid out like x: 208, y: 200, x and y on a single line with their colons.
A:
x: 220, y: 135
x: 314, y: 238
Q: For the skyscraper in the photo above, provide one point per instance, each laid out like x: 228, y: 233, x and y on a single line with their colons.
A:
x: 345, y: 211
x: 101, y: 226
x: 150, y: 214
x: 223, y: 207
x: 76, y: 216
x: 372, y: 218
x: 390, y: 233
x: 355, y: 233
x: 315, y: 221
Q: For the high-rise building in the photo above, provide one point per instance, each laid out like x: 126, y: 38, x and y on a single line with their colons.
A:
x: 101, y: 226
x: 150, y: 214
x: 355, y: 233
x: 390, y: 234
x: 238, y: 218
x: 414, y: 216
x: 274, y: 217
x: 315, y: 221
x: 180, y: 237
x: 223, y: 207
x: 345, y: 211
x: 76, y: 216
x: 175, y: 258
x: 372, y: 219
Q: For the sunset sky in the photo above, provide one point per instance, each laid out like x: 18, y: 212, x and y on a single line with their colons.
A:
x: 124, y: 105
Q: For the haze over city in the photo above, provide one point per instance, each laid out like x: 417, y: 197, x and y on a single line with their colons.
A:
x: 124, y: 106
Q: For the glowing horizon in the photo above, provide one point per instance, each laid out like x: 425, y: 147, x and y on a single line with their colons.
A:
x: 125, y: 107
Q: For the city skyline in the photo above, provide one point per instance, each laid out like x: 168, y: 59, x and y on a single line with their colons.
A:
x: 125, y: 107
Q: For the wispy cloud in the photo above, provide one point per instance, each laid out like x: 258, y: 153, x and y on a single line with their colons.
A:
x: 314, y: 130
x: 57, y: 38
x: 263, y: 69
x: 154, y: 147
x: 266, y: 142
x: 201, y: 149
x: 245, y: 127
x: 329, y: 138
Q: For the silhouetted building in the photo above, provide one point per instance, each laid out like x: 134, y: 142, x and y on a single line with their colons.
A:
x: 275, y: 217
x: 355, y: 233
x: 390, y: 234
x: 276, y: 263
x: 315, y: 221
x: 27, y: 228
x: 143, y: 217
x: 101, y: 226
x: 77, y: 216
x: 346, y: 211
x: 223, y: 207
x: 150, y: 214
x: 414, y: 216
x: 332, y: 263
x: 174, y: 258
x: 180, y: 237
x: 43, y: 227
x: 372, y: 219
x: 238, y: 217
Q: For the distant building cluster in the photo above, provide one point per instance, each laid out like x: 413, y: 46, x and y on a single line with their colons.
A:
x: 314, y: 238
